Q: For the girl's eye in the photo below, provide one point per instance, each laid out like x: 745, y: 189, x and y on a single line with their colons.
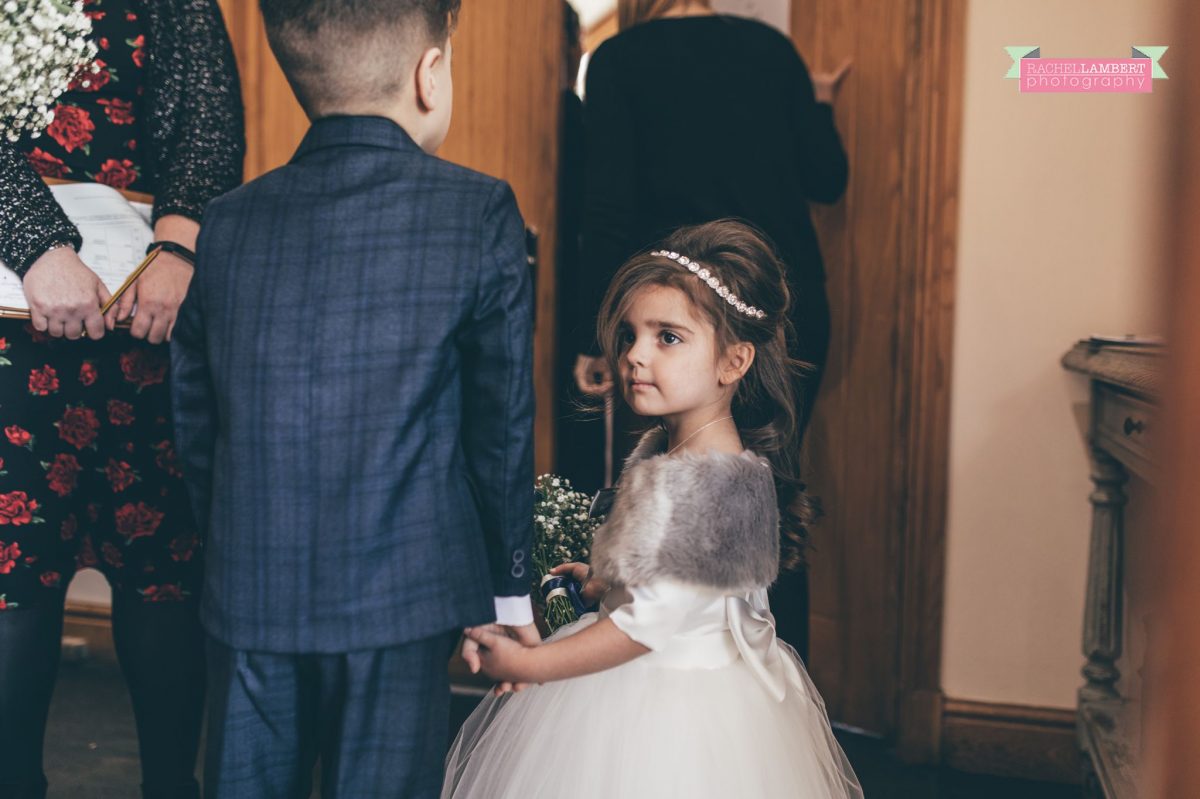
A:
x: 669, y: 338
x: 626, y: 338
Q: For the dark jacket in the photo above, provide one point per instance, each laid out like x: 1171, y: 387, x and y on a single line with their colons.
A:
x: 194, y: 145
x: 693, y: 119
x: 353, y: 395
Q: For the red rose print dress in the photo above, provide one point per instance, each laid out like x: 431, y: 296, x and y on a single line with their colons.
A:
x: 95, y: 132
x: 88, y: 476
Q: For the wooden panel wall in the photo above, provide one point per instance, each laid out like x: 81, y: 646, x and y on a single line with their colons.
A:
x: 507, y: 73
x: 275, y: 122
x: 877, y: 446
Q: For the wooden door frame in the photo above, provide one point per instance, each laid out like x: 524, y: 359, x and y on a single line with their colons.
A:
x: 934, y: 92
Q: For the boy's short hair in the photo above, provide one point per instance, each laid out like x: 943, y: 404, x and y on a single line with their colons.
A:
x: 333, y: 51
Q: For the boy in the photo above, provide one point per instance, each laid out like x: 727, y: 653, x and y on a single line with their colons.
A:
x: 354, y: 407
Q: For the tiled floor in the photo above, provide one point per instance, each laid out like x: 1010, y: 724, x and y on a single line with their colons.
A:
x: 91, y: 752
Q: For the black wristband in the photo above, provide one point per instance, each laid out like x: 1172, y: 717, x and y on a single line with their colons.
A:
x: 173, y: 248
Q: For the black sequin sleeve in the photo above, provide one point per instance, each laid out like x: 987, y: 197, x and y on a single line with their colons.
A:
x: 196, y: 117
x: 30, y: 220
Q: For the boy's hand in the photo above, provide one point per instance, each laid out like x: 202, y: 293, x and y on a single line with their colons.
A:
x: 502, y: 657
x: 590, y: 589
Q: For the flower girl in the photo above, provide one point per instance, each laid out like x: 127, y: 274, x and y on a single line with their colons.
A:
x: 678, y: 687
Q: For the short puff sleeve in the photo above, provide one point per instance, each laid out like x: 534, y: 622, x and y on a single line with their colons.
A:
x: 656, y: 612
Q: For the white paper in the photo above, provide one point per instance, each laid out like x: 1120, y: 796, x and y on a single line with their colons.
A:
x: 115, y: 235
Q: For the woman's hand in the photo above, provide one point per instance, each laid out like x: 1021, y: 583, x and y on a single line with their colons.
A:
x: 158, y: 292
x: 826, y: 84
x: 502, y: 658
x: 592, y: 375
x: 65, y: 296
x: 591, y: 590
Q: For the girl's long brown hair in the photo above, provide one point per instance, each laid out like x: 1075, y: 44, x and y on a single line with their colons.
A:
x: 765, y: 403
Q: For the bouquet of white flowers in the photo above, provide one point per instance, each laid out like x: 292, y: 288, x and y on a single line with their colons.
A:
x: 43, y: 47
x: 562, y: 533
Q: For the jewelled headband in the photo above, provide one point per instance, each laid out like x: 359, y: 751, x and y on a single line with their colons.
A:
x: 713, y: 283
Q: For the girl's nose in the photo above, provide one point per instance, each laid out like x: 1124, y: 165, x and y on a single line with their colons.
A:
x: 636, y: 355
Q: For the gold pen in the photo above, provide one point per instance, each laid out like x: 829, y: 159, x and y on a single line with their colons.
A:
x: 149, y: 259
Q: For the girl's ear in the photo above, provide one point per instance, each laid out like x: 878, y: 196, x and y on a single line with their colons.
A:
x: 737, y: 361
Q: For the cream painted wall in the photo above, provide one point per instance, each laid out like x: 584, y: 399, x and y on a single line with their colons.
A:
x: 1057, y: 240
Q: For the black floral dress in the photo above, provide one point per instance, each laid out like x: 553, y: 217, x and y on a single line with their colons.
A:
x: 88, y: 476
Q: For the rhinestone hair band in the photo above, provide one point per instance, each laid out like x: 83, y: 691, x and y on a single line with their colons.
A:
x: 713, y: 283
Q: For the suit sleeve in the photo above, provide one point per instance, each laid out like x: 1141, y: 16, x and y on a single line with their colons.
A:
x: 192, y: 396
x: 610, y: 194
x: 824, y: 170
x: 496, y: 345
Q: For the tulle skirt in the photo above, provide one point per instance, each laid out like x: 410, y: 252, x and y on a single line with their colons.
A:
x: 645, y: 730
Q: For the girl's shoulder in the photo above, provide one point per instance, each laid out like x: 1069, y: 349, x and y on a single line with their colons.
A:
x: 717, y: 470
x: 708, y: 519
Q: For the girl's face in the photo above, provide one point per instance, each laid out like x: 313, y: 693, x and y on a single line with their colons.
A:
x: 668, y: 358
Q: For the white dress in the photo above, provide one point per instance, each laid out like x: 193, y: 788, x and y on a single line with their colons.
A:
x: 718, y: 708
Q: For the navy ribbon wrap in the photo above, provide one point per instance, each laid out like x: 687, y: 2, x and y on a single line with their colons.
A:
x: 558, y: 585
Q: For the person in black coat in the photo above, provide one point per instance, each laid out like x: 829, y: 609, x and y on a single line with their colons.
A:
x: 578, y: 433
x: 692, y: 116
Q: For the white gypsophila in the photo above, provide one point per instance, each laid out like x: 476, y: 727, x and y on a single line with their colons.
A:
x: 43, y: 46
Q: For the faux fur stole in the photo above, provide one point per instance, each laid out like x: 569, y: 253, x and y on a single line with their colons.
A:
x: 707, y: 520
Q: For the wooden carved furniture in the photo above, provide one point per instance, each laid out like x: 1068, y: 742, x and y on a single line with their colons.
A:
x: 1124, y: 390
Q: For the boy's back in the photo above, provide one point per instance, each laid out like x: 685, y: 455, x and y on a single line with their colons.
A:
x: 353, y: 362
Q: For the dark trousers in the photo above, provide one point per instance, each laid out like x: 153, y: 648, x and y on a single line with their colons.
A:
x: 160, y: 647
x: 376, y: 720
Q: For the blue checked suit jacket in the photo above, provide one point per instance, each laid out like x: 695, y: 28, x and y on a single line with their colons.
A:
x: 353, y: 398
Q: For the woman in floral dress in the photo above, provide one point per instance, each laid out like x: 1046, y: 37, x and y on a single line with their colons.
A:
x: 88, y: 477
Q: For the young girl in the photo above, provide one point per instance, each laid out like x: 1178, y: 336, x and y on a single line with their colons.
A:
x: 678, y: 687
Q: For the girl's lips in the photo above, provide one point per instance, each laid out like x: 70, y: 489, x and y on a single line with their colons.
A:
x: 639, y: 385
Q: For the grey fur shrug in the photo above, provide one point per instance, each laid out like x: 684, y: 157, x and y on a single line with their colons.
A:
x: 708, y: 520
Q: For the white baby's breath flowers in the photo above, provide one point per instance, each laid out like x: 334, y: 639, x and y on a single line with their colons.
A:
x: 43, y: 46
x: 563, y: 533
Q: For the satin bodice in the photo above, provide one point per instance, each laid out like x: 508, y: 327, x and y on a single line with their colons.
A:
x: 693, y: 627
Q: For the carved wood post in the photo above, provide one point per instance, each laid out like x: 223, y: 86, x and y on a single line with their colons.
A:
x: 1102, y: 620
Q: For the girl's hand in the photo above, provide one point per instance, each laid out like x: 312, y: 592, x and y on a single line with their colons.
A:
x: 505, y: 660
x: 591, y: 590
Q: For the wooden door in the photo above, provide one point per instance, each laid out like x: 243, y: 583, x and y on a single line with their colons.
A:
x: 507, y: 66
x: 1171, y: 692
x: 508, y: 76
x: 878, y: 442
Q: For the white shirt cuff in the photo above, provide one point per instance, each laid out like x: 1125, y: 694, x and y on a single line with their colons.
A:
x: 514, y: 611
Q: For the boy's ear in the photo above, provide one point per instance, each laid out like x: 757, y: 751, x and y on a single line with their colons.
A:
x: 428, y: 94
x: 738, y: 359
